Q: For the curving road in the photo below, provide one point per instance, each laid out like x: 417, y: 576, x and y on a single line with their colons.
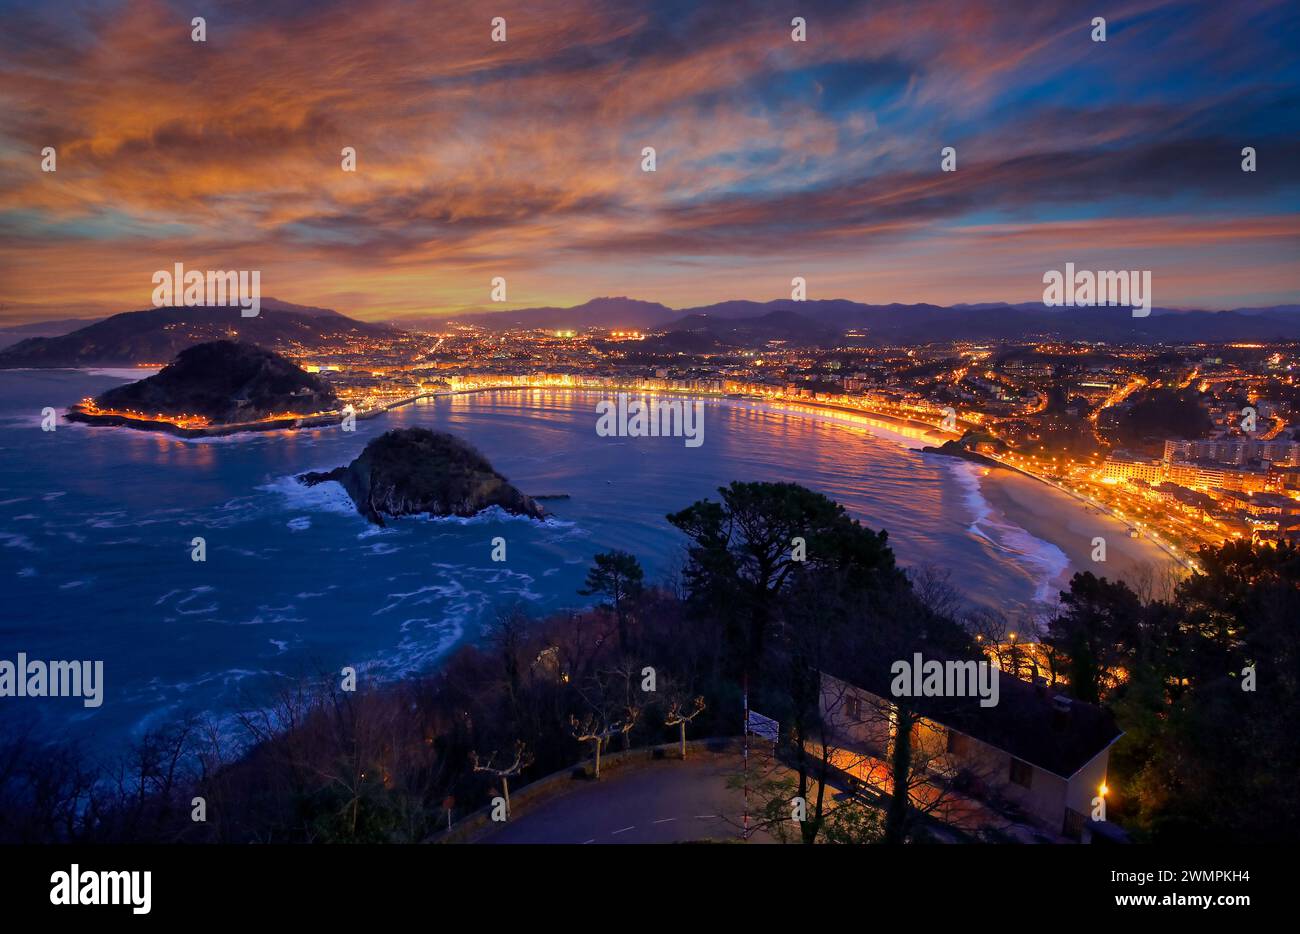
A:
x: 662, y: 801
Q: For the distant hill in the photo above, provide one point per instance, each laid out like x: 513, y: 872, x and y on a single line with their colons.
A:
x: 157, y: 335
x: 599, y: 312
x: 922, y: 323
x: 226, y: 382
x: 53, y: 328
x: 743, y: 323
x: 698, y: 333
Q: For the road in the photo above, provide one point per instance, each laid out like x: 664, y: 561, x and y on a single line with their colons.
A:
x: 663, y: 801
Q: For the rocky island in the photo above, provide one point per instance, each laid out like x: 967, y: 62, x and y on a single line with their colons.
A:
x: 415, y: 471
x: 217, y: 387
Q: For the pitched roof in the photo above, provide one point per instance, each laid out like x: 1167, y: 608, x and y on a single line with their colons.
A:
x: 1032, y: 722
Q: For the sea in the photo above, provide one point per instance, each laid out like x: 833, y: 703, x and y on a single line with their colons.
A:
x: 97, y: 529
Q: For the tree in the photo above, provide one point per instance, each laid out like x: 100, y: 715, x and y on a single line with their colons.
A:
x: 743, y: 551
x: 681, y: 713
x: 597, y: 729
x: 607, y: 714
x: 617, y: 576
x: 1099, y: 623
x: 523, y: 759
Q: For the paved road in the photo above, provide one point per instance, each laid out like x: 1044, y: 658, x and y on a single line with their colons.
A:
x: 663, y: 801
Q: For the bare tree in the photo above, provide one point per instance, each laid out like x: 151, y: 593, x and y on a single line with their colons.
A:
x: 523, y: 759
x: 679, y: 716
x: 606, y: 716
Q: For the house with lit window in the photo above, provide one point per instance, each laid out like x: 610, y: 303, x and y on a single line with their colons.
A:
x: 1036, y: 758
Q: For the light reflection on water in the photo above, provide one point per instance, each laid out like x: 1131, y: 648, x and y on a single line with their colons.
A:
x: 295, y: 582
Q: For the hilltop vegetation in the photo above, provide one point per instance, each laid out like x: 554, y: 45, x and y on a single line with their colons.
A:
x: 226, y: 382
x: 413, y: 471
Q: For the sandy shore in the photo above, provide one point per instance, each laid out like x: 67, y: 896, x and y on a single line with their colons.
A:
x: 1056, y: 517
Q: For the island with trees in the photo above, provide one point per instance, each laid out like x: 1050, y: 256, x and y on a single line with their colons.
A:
x: 214, y: 388
x: 415, y: 471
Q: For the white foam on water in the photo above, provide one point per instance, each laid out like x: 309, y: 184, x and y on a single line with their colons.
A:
x: 1046, y: 561
x: 15, y: 540
x: 323, y: 497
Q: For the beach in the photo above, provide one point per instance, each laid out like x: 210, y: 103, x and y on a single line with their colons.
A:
x: 1056, y: 517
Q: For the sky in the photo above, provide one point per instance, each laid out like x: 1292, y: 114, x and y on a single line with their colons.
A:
x: 523, y: 159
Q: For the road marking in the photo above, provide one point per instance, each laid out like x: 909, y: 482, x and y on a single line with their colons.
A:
x: 624, y: 830
x: 705, y: 816
x: 585, y: 842
x: 665, y: 820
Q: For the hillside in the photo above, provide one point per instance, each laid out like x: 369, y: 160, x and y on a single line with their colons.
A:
x: 225, y: 382
x: 157, y: 335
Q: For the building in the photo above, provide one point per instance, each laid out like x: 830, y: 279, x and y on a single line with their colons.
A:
x: 1184, y: 500
x: 1036, y: 756
x: 1209, y: 476
x: 1120, y: 466
x: 1235, y: 450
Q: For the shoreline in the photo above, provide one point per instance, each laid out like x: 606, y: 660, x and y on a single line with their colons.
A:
x: 1022, y: 500
x: 1056, y: 517
x: 74, y: 414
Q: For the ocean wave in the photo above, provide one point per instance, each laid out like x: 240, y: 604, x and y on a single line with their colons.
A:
x: 1046, y: 562
x: 415, y: 652
x: 323, y: 497
x: 16, y: 540
x: 453, y: 589
x: 494, y: 514
x: 180, y: 606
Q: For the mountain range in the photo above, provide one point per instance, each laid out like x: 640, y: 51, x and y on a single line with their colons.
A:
x: 156, y: 335
x: 907, y: 324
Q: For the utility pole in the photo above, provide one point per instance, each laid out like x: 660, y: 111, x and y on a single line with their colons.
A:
x: 744, y: 755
